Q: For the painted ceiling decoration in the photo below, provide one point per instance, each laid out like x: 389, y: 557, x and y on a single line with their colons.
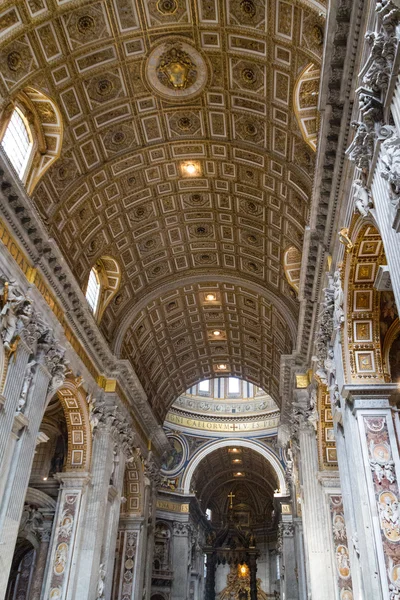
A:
x: 184, y: 160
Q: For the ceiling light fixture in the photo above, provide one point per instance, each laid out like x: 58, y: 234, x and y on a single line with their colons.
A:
x: 237, y: 460
x: 217, y: 332
x: 211, y: 297
x: 190, y: 168
x: 222, y: 367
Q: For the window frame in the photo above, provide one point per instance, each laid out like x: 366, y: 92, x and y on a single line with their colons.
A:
x: 94, y: 309
x: 25, y: 167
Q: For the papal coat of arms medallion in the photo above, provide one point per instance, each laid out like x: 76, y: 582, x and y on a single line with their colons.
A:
x: 176, y: 70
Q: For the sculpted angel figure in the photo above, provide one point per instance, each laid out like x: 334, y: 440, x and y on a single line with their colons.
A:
x: 339, y: 529
x: 389, y: 471
x: 362, y: 198
x: 28, y: 376
x: 66, y: 524
x: 15, y: 314
x: 377, y: 469
x: 338, y: 298
x: 391, y: 167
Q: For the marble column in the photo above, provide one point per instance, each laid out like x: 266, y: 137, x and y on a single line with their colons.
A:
x: 111, y: 526
x: 210, y: 575
x: 19, y: 472
x: 63, y: 554
x: 92, y: 525
x: 180, y: 560
x: 300, y: 558
x: 315, y: 519
x: 11, y: 394
x: 252, y: 557
x: 41, y: 559
x: 374, y: 470
x: 142, y: 530
x: 127, y: 571
x: 289, y: 582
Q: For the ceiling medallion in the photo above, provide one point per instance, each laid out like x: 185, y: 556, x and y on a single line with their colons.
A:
x: 176, y: 70
x: 248, y: 7
x: 167, y: 7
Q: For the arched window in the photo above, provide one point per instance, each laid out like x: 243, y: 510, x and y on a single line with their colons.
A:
x: 17, y: 142
x: 103, y: 284
x: 31, y: 134
x: 93, y: 290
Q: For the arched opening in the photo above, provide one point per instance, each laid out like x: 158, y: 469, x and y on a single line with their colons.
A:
x: 17, y: 142
x: 102, y: 286
x: 63, y: 449
x: 291, y: 265
x: 31, y: 131
x: 93, y: 290
x: 370, y: 328
x: 305, y: 101
x: 22, y: 570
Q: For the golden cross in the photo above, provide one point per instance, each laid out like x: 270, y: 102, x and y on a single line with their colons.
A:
x: 231, y: 497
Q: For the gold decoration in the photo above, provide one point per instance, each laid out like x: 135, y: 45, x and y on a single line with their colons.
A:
x: 239, y: 584
x: 176, y: 69
x: 302, y: 380
x: 345, y: 240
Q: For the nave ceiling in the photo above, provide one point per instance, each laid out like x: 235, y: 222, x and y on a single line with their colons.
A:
x: 217, y: 476
x: 120, y: 187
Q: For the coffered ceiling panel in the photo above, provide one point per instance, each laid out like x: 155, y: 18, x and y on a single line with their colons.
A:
x: 182, y: 155
x: 223, y: 471
x: 172, y: 341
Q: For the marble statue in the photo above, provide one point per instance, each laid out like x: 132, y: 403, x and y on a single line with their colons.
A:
x: 391, y: 167
x: 16, y: 313
x: 28, y: 376
x: 362, y: 198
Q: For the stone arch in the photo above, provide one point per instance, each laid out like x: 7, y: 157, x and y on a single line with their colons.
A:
x: 46, y: 126
x: 74, y: 404
x: 362, y: 345
x: 134, y: 487
x: 251, y: 444
x: 305, y: 103
x: 392, y: 339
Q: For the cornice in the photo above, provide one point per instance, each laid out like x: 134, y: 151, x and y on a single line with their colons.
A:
x: 339, y: 70
x: 67, y: 302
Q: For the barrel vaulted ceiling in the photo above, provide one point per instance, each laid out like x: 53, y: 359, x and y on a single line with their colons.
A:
x: 223, y: 471
x: 241, y: 112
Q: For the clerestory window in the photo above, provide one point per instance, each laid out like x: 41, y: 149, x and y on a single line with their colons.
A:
x: 93, y: 290
x: 17, y: 142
